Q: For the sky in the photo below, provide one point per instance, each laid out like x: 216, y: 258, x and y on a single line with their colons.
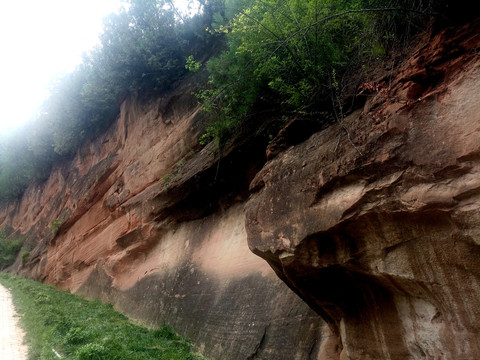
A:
x: 41, y: 40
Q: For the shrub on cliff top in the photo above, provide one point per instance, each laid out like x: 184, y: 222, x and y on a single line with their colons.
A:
x: 282, y: 53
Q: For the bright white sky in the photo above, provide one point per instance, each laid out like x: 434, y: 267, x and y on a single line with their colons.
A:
x: 40, y: 40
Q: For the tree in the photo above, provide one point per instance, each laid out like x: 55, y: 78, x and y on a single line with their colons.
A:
x: 142, y: 50
x: 287, y: 51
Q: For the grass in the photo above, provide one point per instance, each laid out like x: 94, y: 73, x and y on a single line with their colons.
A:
x: 79, y: 329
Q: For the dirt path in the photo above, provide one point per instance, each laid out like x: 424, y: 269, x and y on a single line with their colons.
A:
x: 11, y: 336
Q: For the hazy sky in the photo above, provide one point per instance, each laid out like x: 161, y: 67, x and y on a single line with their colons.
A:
x: 41, y: 39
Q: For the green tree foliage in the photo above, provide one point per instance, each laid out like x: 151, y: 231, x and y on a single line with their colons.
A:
x: 142, y: 50
x: 285, y: 52
x: 278, y: 52
x: 19, y: 165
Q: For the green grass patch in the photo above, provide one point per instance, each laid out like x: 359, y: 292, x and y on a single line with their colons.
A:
x: 80, y: 329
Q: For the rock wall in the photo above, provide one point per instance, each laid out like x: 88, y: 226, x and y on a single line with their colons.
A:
x: 145, y: 219
x: 375, y: 222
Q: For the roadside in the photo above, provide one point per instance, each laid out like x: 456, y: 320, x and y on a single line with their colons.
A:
x: 59, y: 324
x: 11, y: 335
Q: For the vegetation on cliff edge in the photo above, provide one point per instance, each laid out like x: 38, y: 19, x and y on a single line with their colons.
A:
x: 142, y: 50
x: 283, y: 56
x: 300, y: 57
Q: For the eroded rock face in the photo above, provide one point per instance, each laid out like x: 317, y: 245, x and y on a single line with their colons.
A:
x: 374, y: 222
x: 146, y: 220
x: 382, y: 238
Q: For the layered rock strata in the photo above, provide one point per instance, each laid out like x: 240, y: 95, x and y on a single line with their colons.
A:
x: 375, y: 221
x: 145, y: 219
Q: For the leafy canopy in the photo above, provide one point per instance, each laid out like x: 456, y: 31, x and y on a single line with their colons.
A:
x: 284, y: 52
x: 142, y: 50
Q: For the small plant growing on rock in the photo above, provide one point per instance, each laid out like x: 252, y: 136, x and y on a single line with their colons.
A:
x: 192, y: 65
x: 166, y: 177
x: 25, y: 256
x: 181, y: 163
x: 55, y: 225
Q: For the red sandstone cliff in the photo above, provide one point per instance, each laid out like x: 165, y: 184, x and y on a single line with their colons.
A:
x: 380, y: 239
x: 152, y: 224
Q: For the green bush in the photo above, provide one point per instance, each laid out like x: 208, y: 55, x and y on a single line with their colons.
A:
x: 142, y: 50
x: 9, y: 249
x: 282, y: 53
x: 25, y: 256
x: 55, y: 225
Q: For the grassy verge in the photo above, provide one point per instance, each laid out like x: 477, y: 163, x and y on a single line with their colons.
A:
x: 82, y: 330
